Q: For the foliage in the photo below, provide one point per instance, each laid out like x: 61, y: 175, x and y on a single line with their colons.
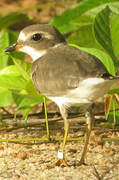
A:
x: 93, y: 27
x: 15, y: 83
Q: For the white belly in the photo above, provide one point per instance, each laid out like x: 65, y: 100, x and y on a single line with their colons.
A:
x: 88, y: 91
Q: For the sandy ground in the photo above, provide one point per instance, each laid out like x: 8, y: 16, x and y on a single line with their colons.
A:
x: 33, y: 160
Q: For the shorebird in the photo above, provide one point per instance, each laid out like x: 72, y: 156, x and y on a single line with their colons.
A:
x: 66, y: 75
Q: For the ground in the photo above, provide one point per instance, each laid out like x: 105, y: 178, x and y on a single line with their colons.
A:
x: 33, y: 160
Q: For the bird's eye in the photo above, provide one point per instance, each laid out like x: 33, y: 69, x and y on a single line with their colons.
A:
x: 36, y: 37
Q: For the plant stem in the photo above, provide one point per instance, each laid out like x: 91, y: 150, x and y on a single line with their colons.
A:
x: 46, y: 118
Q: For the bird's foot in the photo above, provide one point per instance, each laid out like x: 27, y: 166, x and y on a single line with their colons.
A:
x: 61, y: 162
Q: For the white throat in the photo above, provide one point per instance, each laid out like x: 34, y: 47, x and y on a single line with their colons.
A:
x: 33, y: 52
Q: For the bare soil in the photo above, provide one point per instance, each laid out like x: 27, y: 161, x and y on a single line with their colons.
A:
x: 33, y: 160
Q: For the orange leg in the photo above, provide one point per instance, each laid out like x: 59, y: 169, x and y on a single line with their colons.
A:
x: 89, y: 119
x: 61, y: 159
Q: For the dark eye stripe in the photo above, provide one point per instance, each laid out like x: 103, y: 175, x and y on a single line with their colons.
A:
x: 36, y: 37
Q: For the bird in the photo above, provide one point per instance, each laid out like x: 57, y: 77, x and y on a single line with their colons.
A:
x: 64, y: 74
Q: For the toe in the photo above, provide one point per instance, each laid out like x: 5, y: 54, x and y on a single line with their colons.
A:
x: 61, y: 162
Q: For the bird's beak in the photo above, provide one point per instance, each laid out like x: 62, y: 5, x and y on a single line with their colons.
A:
x: 14, y: 47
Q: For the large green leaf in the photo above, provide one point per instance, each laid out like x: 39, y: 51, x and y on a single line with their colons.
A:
x: 4, y: 59
x: 24, y: 67
x: 84, y: 37
x: 29, y: 101
x: 23, y: 107
x: 7, y: 38
x: 83, y: 20
x: 4, y: 42
x: 64, y: 22
x: 115, y: 7
x: 103, y: 33
x: 10, y: 78
x: 12, y: 82
x: 114, y: 115
x: 25, y: 101
x: 6, y: 98
x: 11, y: 71
x: 4, y: 39
x: 114, y: 24
x: 31, y: 91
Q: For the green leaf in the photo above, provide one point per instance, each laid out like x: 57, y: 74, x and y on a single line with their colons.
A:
x: 102, y: 56
x: 114, y: 24
x: 25, y: 101
x: 102, y: 31
x: 6, y: 39
x: 18, y: 100
x: 83, y: 20
x: 10, y: 78
x: 84, y: 37
x: 114, y: 115
x: 4, y: 59
x: 63, y: 22
x: 11, y: 19
x: 10, y: 70
x: 4, y: 42
x: 13, y: 36
x: 32, y: 91
x: 24, y: 67
x: 6, y: 98
x: 113, y: 91
x: 25, y: 112
x: 17, y: 97
x: 115, y: 7
x: 12, y: 82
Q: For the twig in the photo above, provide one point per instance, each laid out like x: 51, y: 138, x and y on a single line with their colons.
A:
x: 46, y: 118
x: 96, y: 174
x: 5, y: 110
x: 51, y: 139
x: 41, y: 139
x: 41, y: 114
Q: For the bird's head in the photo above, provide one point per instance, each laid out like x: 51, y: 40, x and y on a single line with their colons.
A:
x: 36, y: 39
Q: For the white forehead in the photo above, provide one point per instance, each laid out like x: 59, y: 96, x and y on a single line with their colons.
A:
x: 24, y: 36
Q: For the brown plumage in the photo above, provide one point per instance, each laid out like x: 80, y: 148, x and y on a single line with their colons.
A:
x: 64, y: 71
